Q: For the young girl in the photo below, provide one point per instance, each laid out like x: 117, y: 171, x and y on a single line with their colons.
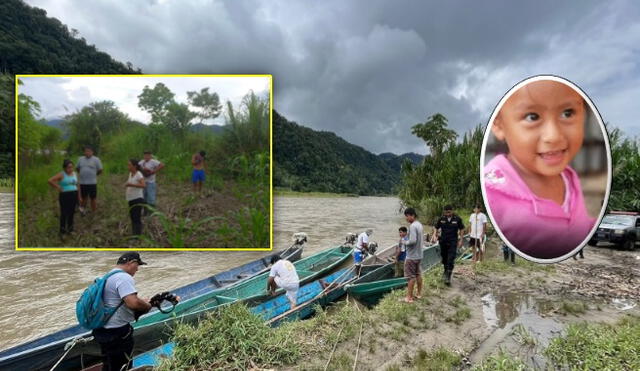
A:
x: 135, y: 190
x: 66, y: 182
x: 534, y: 196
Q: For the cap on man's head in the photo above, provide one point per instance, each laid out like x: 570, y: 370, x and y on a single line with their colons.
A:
x: 448, y: 207
x: 147, y: 152
x: 129, y: 257
x: 369, y: 231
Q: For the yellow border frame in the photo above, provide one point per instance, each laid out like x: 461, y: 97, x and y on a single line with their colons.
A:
x: 16, y: 184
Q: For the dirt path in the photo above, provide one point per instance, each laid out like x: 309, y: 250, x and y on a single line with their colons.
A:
x: 516, y: 308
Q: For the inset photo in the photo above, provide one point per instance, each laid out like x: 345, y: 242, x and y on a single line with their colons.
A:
x: 545, y: 168
x: 144, y: 161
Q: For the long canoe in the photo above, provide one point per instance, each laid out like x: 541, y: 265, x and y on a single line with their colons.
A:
x: 371, y: 287
x: 44, y: 352
x: 277, y: 310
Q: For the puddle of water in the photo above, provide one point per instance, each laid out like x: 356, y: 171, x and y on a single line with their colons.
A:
x: 623, y: 304
x: 506, y: 312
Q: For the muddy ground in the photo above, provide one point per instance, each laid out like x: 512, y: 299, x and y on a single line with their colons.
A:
x: 110, y: 225
x: 498, y: 306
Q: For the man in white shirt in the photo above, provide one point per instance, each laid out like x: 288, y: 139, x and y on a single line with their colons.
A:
x: 362, y: 249
x: 283, y: 274
x: 150, y: 166
x: 477, y: 228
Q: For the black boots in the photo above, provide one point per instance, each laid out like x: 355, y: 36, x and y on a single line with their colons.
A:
x: 447, y: 277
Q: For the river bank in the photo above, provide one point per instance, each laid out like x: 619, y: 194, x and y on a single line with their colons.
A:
x: 495, y: 316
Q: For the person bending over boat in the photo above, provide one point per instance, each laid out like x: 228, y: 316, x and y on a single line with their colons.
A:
x: 283, y: 274
x: 362, y: 249
x: 116, y: 337
x: 414, y: 255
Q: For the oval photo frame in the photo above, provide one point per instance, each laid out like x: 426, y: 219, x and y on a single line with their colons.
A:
x: 545, y: 229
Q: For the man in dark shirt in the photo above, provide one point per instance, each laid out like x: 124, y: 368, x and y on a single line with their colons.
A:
x: 450, y: 229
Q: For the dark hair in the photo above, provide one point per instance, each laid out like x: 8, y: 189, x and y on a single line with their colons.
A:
x: 448, y: 207
x: 86, y: 147
x: 66, y: 163
x: 203, y: 153
x: 135, y: 163
x: 147, y: 152
x: 478, y: 206
x: 410, y: 211
x: 402, y: 229
x: 275, y: 258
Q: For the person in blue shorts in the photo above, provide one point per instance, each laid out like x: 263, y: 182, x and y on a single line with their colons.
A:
x: 362, y: 249
x: 198, y: 176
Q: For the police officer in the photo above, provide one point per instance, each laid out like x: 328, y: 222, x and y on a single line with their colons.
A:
x: 450, y: 238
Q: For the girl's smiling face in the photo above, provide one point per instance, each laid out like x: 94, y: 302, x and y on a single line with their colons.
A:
x: 543, y: 125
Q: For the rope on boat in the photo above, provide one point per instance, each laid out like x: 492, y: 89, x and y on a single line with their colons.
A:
x: 68, y: 346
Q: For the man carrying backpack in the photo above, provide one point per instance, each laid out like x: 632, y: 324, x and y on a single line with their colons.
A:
x: 116, y: 336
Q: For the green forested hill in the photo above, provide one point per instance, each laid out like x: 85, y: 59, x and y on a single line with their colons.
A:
x: 308, y: 160
x: 31, y: 42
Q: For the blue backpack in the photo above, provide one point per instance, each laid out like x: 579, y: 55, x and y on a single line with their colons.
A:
x: 90, y: 309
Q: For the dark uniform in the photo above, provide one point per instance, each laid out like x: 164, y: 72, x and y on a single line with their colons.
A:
x: 449, y: 227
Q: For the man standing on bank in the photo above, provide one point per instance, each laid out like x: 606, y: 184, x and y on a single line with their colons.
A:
x: 116, y: 337
x: 450, y: 238
x: 88, y: 167
x: 414, y: 255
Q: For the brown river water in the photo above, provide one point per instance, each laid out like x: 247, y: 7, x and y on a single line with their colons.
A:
x: 39, y: 288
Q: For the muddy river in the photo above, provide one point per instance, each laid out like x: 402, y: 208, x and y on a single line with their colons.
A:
x: 39, y: 289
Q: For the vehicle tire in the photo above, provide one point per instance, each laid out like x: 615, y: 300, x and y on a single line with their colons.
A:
x: 629, y: 245
x: 592, y: 243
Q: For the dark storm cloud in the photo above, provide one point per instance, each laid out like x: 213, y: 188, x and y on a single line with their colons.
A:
x: 369, y: 70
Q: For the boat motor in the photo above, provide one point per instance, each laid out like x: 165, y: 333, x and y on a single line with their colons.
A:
x: 351, y: 239
x: 373, y: 246
x: 299, y: 238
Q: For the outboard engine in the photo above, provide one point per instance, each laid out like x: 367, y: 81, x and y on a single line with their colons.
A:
x: 299, y: 238
x: 373, y: 246
x: 351, y: 239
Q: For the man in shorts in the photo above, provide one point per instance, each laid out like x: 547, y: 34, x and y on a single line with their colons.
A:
x: 150, y: 166
x: 362, y: 249
x: 414, y: 255
x: 477, y: 229
x: 88, y: 167
x: 283, y: 274
x: 197, y: 175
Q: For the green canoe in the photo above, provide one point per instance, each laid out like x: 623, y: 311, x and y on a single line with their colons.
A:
x: 370, y: 288
x: 252, y: 289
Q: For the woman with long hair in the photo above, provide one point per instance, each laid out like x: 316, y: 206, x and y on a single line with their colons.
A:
x: 135, y: 195
x: 66, y: 182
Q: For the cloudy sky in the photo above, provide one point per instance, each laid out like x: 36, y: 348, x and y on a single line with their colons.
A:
x: 369, y: 70
x: 60, y: 96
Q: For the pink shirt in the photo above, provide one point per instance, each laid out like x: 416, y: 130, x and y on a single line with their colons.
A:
x: 536, y: 226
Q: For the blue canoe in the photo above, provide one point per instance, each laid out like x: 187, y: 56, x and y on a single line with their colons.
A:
x: 43, y: 353
x: 277, y: 310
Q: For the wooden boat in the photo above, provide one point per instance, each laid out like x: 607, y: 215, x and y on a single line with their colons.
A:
x: 371, y: 287
x: 44, y: 352
x: 277, y: 310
